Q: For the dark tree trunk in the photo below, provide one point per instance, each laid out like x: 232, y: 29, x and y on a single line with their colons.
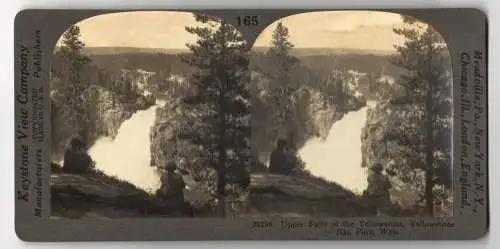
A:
x: 222, y: 171
x: 429, y: 154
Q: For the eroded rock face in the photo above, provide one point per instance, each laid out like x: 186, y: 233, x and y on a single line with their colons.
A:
x: 109, y: 111
x: 163, y: 133
x: 373, y: 134
x: 323, y: 115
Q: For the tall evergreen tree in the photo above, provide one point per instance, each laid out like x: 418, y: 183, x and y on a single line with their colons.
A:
x: 284, y: 89
x: 422, y: 127
x: 281, y: 47
x: 221, y: 101
x: 71, y: 48
x: 73, y: 89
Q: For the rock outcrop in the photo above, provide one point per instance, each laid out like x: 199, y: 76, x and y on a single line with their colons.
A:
x: 322, y: 115
x: 168, y: 124
x: 80, y: 196
x: 99, y: 195
x: 373, y: 135
x: 302, y: 196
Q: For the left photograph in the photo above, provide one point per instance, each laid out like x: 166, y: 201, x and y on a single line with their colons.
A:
x: 150, y: 117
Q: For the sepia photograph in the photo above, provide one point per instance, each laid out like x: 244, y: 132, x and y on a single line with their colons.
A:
x: 175, y: 114
x: 351, y: 116
x: 149, y: 117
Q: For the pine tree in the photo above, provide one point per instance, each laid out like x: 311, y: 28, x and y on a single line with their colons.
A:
x: 281, y: 48
x: 220, y: 105
x: 284, y: 90
x: 423, y: 106
x: 70, y: 51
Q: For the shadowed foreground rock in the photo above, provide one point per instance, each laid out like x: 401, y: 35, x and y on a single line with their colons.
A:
x: 98, y: 195
x: 302, y: 196
x: 88, y: 196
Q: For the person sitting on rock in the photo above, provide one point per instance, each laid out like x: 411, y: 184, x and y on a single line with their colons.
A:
x: 279, y: 162
x: 378, y: 189
x: 76, y: 158
x: 172, y: 186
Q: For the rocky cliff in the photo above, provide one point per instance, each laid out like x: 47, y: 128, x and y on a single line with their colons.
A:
x: 373, y: 134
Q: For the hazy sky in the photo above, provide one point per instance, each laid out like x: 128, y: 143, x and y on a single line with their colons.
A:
x: 340, y: 29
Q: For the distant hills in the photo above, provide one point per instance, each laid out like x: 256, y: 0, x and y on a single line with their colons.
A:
x: 129, y: 50
x: 296, y: 51
x: 300, y: 52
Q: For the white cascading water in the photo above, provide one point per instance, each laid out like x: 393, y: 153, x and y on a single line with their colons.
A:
x: 128, y: 155
x: 338, y: 158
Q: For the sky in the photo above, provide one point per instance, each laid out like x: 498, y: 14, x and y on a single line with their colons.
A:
x: 366, y: 30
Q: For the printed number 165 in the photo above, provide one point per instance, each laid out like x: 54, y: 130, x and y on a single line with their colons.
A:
x: 248, y: 21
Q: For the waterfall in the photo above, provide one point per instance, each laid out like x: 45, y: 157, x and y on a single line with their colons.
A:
x: 338, y: 157
x: 128, y: 155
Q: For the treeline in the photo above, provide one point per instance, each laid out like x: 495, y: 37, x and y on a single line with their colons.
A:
x: 159, y: 63
x: 166, y: 71
x: 312, y: 68
x: 364, y: 63
x: 171, y: 63
x: 120, y: 82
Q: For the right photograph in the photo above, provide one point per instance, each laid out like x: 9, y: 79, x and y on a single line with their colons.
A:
x: 351, y: 117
